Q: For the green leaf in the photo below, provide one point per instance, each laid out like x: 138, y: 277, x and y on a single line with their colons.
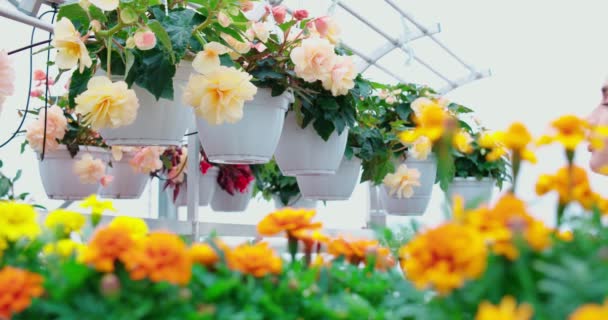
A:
x: 153, y: 71
x: 179, y: 26
x: 78, y: 84
x: 5, y: 186
x: 324, y: 128
x: 17, y: 175
x: 97, y: 14
x: 163, y: 37
x: 76, y: 14
x: 404, y: 111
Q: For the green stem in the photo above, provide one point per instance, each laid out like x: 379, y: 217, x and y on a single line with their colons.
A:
x: 205, y: 23
x: 200, y: 39
x: 292, y: 244
x: 109, y: 57
x: 516, y: 165
x: 561, y: 209
x: 109, y: 32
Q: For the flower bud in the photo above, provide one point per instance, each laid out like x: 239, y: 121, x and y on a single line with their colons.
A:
x: 224, y: 19
x: 95, y: 25
x: 300, y: 14
x: 279, y: 13
x: 130, y: 43
x: 128, y: 15
x: 144, y: 39
x: 110, y: 285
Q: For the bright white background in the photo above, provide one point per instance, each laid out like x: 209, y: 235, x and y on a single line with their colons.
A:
x: 548, y: 58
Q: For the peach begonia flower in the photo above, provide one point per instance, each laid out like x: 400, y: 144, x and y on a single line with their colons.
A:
x: 89, y: 169
x: 220, y: 95
x: 107, y: 104
x: 147, y: 160
x: 341, y: 77
x: 70, y: 47
x: 402, y: 183
x: 313, y: 59
x: 55, y: 130
x: 326, y: 28
x: 208, y: 60
x: 236, y: 45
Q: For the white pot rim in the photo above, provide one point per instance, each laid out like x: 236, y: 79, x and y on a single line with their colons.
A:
x: 81, y: 148
x: 473, y: 179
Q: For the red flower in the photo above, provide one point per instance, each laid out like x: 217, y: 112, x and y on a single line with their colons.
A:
x: 300, y: 14
x: 235, y: 177
x: 204, y: 166
x: 279, y: 13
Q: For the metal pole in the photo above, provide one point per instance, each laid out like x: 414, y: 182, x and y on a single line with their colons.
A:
x: 192, y: 174
x: 20, y: 17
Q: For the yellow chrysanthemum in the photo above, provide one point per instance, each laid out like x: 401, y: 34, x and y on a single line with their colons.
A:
x: 136, y: 227
x: 65, y: 221
x: 444, y: 258
x: 590, y: 312
x: 63, y: 248
x: 107, y: 104
x: 506, y: 310
x: 219, y: 96
x: 569, y: 130
x: 18, y: 220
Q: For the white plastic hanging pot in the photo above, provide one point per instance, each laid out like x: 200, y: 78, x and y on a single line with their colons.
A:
x: 58, y: 177
x: 471, y: 189
x: 417, y: 204
x: 295, y: 202
x: 302, y: 152
x: 207, y: 185
x: 251, y: 140
x: 127, y: 183
x: 338, y: 186
x: 159, y: 122
x: 225, y: 202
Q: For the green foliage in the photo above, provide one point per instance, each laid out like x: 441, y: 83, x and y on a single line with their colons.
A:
x: 269, y: 182
x: 7, y: 186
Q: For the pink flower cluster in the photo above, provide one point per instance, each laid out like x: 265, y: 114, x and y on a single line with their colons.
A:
x: 56, y: 126
x: 41, y: 81
x: 147, y: 160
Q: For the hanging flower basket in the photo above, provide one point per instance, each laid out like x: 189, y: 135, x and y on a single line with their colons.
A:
x: 207, y: 186
x: 296, y: 202
x: 225, y: 202
x: 338, y: 186
x: 303, y: 152
x: 59, y: 176
x: 159, y: 122
x: 471, y: 189
x: 254, y: 138
x: 416, y: 204
x: 127, y: 182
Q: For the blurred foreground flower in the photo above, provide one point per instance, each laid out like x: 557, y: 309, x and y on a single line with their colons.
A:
x: 506, y: 310
x: 257, y: 260
x: 17, y: 221
x: 17, y: 289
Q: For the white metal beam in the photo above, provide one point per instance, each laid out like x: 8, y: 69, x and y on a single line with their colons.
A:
x: 473, y: 76
x: 23, y: 18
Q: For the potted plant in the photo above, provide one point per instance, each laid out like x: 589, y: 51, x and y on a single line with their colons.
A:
x: 477, y: 171
x: 235, y: 184
x: 130, y: 168
x: 399, y: 160
x: 145, y: 45
x: 173, y: 172
x: 283, y: 190
x: 72, y: 157
x: 326, y: 88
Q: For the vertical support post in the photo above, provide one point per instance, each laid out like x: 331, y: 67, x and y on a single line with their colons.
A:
x: 377, y: 215
x: 192, y: 185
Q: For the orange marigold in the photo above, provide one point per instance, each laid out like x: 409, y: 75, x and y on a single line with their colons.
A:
x: 255, y: 259
x: 353, y: 250
x: 108, y: 245
x: 205, y: 254
x: 17, y: 288
x: 571, y: 184
x: 501, y: 224
x: 506, y: 310
x: 590, y: 312
x: 163, y: 257
x: 444, y: 258
x: 288, y: 220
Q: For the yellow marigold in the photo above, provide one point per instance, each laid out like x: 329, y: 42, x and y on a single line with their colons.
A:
x: 163, y: 257
x: 107, y: 246
x: 288, y: 220
x: 590, y: 312
x: 462, y: 142
x: 18, y: 220
x: 311, y: 236
x: 257, y: 259
x: 501, y: 224
x: 571, y: 184
x: 3, y: 246
x: 205, y: 254
x: 17, y: 289
x: 354, y: 250
x: 65, y: 221
x: 219, y: 95
x: 517, y: 138
x: 569, y: 130
x: 490, y: 142
x: 506, y: 310
x: 444, y: 258
x: 107, y: 104
x: 64, y: 248
x: 384, y: 258
x: 137, y: 227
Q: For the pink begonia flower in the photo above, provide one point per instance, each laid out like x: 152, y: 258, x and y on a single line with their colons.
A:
x: 36, y: 93
x: 89, y: 169
x: 327, y: 28
x: 300, y: 14
x: 224, y: 19
x: 55, y: 129
x: 7, y: 77
x: 147, y: 160
x: 279, y: 13
x: 39, y: 75
x: 144, y: 39
x: 106, y: 180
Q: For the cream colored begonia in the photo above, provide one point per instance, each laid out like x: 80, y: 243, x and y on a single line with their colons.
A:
x: 71, y: 50
x: 208, y: 60
x: 401, y: 183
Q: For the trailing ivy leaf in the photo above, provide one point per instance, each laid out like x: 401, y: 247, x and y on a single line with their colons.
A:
x: 163, y: 38
x: 76, y: 14
x: 153, y: 71
x: 78, y: 84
